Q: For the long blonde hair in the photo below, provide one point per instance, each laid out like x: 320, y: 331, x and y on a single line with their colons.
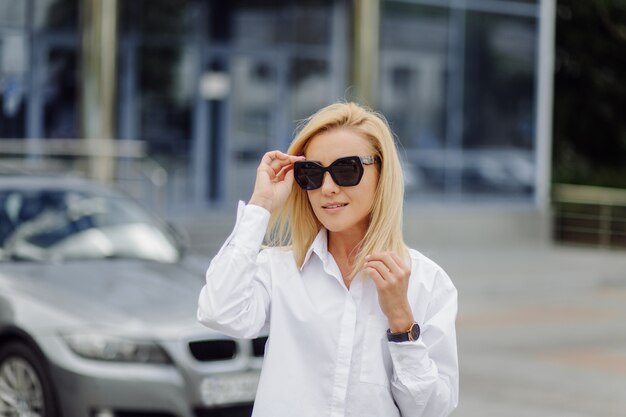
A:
x: 295, y: 224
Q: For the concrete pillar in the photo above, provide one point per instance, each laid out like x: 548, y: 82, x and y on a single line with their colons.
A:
x: 98, y: 85
x: 544, y: 103
x: 365, y: 51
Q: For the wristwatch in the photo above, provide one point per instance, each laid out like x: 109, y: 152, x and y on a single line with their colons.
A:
x: 410, y: 335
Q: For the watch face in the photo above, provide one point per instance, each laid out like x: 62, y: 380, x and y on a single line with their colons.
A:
x: 415, y: 331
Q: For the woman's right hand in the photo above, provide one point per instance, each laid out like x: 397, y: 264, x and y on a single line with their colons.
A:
x: 274, y: 179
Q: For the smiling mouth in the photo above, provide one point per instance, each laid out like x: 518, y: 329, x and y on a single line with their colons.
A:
x: 336, y: 205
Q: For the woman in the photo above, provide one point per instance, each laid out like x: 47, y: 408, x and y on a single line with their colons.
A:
x: 359, y: 324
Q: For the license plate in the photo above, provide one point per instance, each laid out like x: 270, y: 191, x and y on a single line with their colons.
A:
x: 229, y: 388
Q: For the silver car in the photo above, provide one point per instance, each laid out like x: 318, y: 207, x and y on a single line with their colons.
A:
x: 98, y: 312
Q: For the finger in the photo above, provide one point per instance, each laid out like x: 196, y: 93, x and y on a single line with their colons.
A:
x: 279, y: 160
x: 289, y: 179
x: 268, y: 157
x: 295, y: 158
x: 283, y: 172
x: 387, y: 260
x: 391, y: 263
x: 286, y: 159
x: 272, y: 155
x: 401, y: 263
x: 266, y: 162
x: 270, y: 163
x: 382, y: 270
x: 379, y: 281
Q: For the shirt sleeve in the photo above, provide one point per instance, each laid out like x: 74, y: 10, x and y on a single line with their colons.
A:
x: 235, y: 299
x: 425, y: 380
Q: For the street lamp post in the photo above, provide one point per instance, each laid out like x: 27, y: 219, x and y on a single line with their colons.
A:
x: 365, y: 62
x: 98, y: 82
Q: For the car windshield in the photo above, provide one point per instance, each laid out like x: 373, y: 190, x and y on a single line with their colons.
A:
x: 58, y: 225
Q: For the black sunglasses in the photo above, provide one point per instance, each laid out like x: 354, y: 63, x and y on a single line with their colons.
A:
x: 345, y: 172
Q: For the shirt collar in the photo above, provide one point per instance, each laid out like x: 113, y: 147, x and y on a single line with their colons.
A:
x: 319, y: 246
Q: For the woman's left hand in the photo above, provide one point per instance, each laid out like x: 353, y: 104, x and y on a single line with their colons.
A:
x: 391, y: 276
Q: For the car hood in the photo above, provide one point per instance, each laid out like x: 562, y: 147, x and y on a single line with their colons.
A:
x: 139, y: 296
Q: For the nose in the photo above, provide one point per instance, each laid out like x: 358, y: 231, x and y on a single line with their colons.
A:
x: 328, y: 185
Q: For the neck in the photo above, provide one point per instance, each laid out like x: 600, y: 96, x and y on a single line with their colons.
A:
x: 345, y: 245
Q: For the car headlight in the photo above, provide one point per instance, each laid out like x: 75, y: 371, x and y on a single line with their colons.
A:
x: 115, y: 349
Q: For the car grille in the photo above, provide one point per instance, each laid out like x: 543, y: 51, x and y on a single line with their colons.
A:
x: 222, y: 350
x: 258, y: 346
x: 213, y: 350
x: 126, y: 413
x: 232, y: 411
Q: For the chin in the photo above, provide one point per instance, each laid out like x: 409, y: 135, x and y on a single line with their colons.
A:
x: 337, y: 226
x: 333, y: 226
x: 335, y: 229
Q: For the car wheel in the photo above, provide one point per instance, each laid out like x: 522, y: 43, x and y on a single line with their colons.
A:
x: 25, y: 387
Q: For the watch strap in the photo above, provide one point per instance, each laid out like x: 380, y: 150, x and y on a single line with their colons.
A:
x: 410, y: 335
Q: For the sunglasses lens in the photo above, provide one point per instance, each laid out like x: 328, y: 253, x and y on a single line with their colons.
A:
x: 347, y: 172
x: 308, y: 175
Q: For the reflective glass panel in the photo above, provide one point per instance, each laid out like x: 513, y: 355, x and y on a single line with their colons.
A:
x: 165, y: 99
x: 254, y: 120
x: 254, y: 89
x: 305, y: 23
x: 12, y: 13
x: 414, y: 53
x: 13, y: 107
x: 309, y: 87
x: 499, y: 100
x: 13, y: 68
x: 247, y: 23
x: 169, y: 17
x: 57, y: 14
x: 60, y: 94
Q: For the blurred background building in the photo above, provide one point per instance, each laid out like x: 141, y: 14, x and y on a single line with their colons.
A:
x: 208, y: 86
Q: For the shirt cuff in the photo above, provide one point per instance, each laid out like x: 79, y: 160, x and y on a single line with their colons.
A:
x: 409, y: 359
x: 250, y: 228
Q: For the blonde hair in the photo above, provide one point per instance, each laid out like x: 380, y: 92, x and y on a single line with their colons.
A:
x: 295, y: 224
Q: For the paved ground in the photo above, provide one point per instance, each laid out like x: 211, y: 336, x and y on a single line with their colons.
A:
x: 542, y: 328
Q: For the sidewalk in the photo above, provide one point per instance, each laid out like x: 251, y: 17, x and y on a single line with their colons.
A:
x: 542, y: 330
x: 541, y: 327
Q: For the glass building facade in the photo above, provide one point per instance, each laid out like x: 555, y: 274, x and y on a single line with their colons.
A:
x: 211, y: 85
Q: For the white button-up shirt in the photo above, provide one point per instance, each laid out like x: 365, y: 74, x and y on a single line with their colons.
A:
x: 327, y: 352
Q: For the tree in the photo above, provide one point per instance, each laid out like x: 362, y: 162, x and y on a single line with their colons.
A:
x: 590, y: 93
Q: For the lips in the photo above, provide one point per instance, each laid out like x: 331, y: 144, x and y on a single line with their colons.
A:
x: 334, y: 205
